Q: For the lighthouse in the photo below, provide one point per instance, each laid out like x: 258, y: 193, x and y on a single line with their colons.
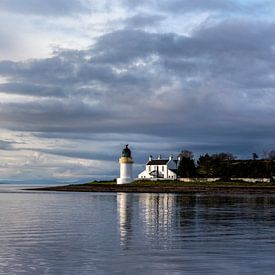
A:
x: 126, y: 166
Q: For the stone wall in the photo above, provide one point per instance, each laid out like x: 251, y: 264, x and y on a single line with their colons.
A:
x: 253, y: 180
x: 198, y: 179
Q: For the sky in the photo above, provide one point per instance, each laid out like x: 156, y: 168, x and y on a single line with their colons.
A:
x: 79, y: 79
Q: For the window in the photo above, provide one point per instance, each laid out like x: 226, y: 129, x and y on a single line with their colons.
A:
x: 162, y: 168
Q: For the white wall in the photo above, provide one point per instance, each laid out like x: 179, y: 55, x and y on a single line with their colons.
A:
x: 198, y: 179
x: 126, y: 170
x: 162, y: 169
x: 172, y: 175
x: 143, y: 175
x: 126, y: 173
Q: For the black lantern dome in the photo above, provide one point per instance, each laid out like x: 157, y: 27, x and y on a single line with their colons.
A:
x: 126, y: 152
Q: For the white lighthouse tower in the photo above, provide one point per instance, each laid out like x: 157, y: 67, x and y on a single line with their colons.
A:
x: 126, y: 167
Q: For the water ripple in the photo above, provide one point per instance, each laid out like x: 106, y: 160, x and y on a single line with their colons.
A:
x: 86, y: 233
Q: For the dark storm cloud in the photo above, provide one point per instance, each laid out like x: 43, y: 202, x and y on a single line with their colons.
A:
x: 80, y: 154
x: 6, y: 145
x: 32, y: 89
x: 41, y: 7
x: 238, y: 41
x: 66, y: 73
x: 49, y: 115
x: 216, y: 84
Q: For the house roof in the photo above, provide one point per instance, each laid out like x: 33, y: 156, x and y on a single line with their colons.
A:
x: 173, y: 170
x: 157, y: 161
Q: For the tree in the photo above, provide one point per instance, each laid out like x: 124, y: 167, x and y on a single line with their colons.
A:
x: 204, y: 166
x: 186, y: 167
x: 223, y: 156
x: 216, y: 165
x: 186, y: 154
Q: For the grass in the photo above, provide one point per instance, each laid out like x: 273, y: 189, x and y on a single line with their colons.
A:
x: 98, y: 182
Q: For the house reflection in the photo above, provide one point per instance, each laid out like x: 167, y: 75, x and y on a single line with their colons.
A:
x: 153, y: 216
x: 156, y: 212
x: 144, y: 219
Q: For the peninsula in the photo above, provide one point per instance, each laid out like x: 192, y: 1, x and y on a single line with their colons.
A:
x: 142, y: 186
x: 219, y: 173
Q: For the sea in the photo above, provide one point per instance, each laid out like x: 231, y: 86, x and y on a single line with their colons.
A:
x: 119, y: 233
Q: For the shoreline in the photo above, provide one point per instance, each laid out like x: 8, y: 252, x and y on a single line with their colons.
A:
x: 184, y: 189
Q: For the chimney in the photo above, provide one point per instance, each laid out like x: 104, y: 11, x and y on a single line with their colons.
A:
x: 179, y: 158
x: 150, y: 158
x: 171, y: 157
x: 159, y: 156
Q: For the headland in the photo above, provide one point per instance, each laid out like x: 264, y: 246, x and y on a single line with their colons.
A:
x: 142, y: 186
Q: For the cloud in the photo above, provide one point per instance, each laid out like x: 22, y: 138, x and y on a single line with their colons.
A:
x: 187, y: 6
x: 32, y: 89
x: 210, y: 89
x: 44, y: 8
x: 182, y: 5
x: 147, y: 76
x: 142, y: 20
x: 5, y: 145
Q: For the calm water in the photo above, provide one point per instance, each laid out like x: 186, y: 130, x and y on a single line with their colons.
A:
x: 89, y: 233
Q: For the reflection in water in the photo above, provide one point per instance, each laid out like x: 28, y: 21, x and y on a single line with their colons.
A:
x: 125, y: 208
x: 161, y: 217
x: 156, y: 214
x: 97, y: 233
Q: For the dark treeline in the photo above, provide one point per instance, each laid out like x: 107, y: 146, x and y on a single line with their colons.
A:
x: 226, y: 166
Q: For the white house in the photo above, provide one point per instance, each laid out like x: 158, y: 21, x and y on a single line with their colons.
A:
x: 160, y: 168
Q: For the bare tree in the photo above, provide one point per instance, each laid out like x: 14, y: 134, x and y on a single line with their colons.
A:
x: 271, y: 155
x: 254, y: 156
x: 223, y: 156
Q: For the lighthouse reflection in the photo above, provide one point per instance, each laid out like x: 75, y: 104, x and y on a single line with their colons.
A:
x: 125, y: 216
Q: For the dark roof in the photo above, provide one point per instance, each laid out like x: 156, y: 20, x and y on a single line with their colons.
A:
x: 157, y: 162
x: 174, y: 170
